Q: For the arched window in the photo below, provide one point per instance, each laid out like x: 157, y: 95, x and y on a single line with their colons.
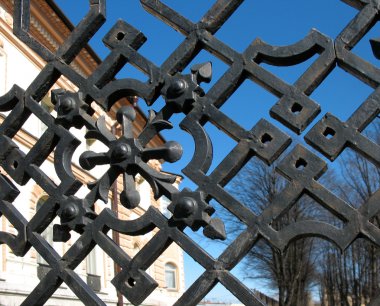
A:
x: 171, y: 276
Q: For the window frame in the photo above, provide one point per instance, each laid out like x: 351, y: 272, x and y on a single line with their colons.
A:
x: 174, y: 270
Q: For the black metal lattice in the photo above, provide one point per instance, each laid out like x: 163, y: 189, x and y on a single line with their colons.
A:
x: 128, y: 155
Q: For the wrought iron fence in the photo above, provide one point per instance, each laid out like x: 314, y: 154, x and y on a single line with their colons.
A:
x: 128, y: 155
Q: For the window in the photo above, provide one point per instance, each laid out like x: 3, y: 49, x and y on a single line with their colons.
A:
x: 171, y: 276
x: 93, y: 277
x: 91, y: 263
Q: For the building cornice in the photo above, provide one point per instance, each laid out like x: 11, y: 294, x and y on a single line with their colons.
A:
x: 6, y: 31
x: 51, y: 31
x: 51, y: 28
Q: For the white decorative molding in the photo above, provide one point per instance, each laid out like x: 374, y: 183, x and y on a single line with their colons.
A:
x: 42, y: 30
x: 6, y: 16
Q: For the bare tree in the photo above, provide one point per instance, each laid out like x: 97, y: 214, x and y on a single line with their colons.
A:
x: 290, y: 272
x: 351, y: 277
x: 348, y: 278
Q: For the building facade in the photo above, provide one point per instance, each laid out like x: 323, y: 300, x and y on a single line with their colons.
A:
x: 19, y: 276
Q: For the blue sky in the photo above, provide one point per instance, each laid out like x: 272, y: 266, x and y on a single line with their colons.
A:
x: 276, y: 22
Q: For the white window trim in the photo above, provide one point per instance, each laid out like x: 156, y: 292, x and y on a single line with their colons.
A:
x: 175, y: 273
x: 91, y: 262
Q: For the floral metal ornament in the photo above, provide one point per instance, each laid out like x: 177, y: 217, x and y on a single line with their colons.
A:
x: 128, y: 157
x: 181, y: 91
x: 75, y: 214
x: 191, y: 209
